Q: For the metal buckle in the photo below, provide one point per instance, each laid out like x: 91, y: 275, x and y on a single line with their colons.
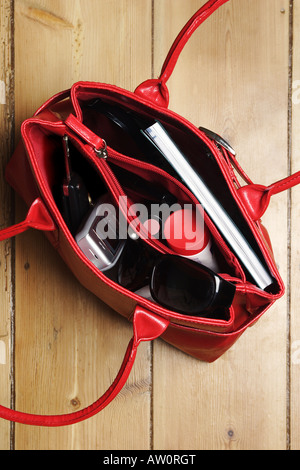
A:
x: 219, y: 140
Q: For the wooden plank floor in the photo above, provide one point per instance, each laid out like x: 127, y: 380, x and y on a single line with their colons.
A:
x: 59, y: 346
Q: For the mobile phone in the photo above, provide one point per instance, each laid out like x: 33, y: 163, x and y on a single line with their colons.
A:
x: 98, y: 237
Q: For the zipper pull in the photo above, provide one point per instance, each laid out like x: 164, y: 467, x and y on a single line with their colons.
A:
x: 88, y: 136
x: 67, y: 158
x: 72, y: 197
x: 102, y: 153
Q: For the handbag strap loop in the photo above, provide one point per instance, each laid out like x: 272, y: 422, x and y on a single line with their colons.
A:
x: 37, y: 217
x: 257, y: 197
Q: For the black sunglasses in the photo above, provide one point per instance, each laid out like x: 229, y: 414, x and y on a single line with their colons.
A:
x: 175, y: 283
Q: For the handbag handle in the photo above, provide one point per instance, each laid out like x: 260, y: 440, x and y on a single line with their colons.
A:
x: 146, y: 327
x: 156, y: 89
x: 191, y: 26
x: 255, y: 197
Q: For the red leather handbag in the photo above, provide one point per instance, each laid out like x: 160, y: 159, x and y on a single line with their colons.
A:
x: 103, y: 157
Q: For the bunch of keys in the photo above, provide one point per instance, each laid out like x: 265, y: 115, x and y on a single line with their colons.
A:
x: 76, y: 200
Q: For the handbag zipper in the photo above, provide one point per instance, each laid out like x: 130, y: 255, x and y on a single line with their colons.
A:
x: 100, y: 157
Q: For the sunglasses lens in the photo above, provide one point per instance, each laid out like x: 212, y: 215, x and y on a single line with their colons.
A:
x: 135, y: 265
x: 186, y: 287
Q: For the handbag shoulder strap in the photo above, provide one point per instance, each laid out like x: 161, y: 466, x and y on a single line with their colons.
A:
x: 156, y: 89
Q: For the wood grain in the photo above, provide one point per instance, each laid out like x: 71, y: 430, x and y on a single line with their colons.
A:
x: 69, y: 345
x: 6, y: 209
x: 232, y: 78
x: 295, y: 241
x: 66, y: 345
